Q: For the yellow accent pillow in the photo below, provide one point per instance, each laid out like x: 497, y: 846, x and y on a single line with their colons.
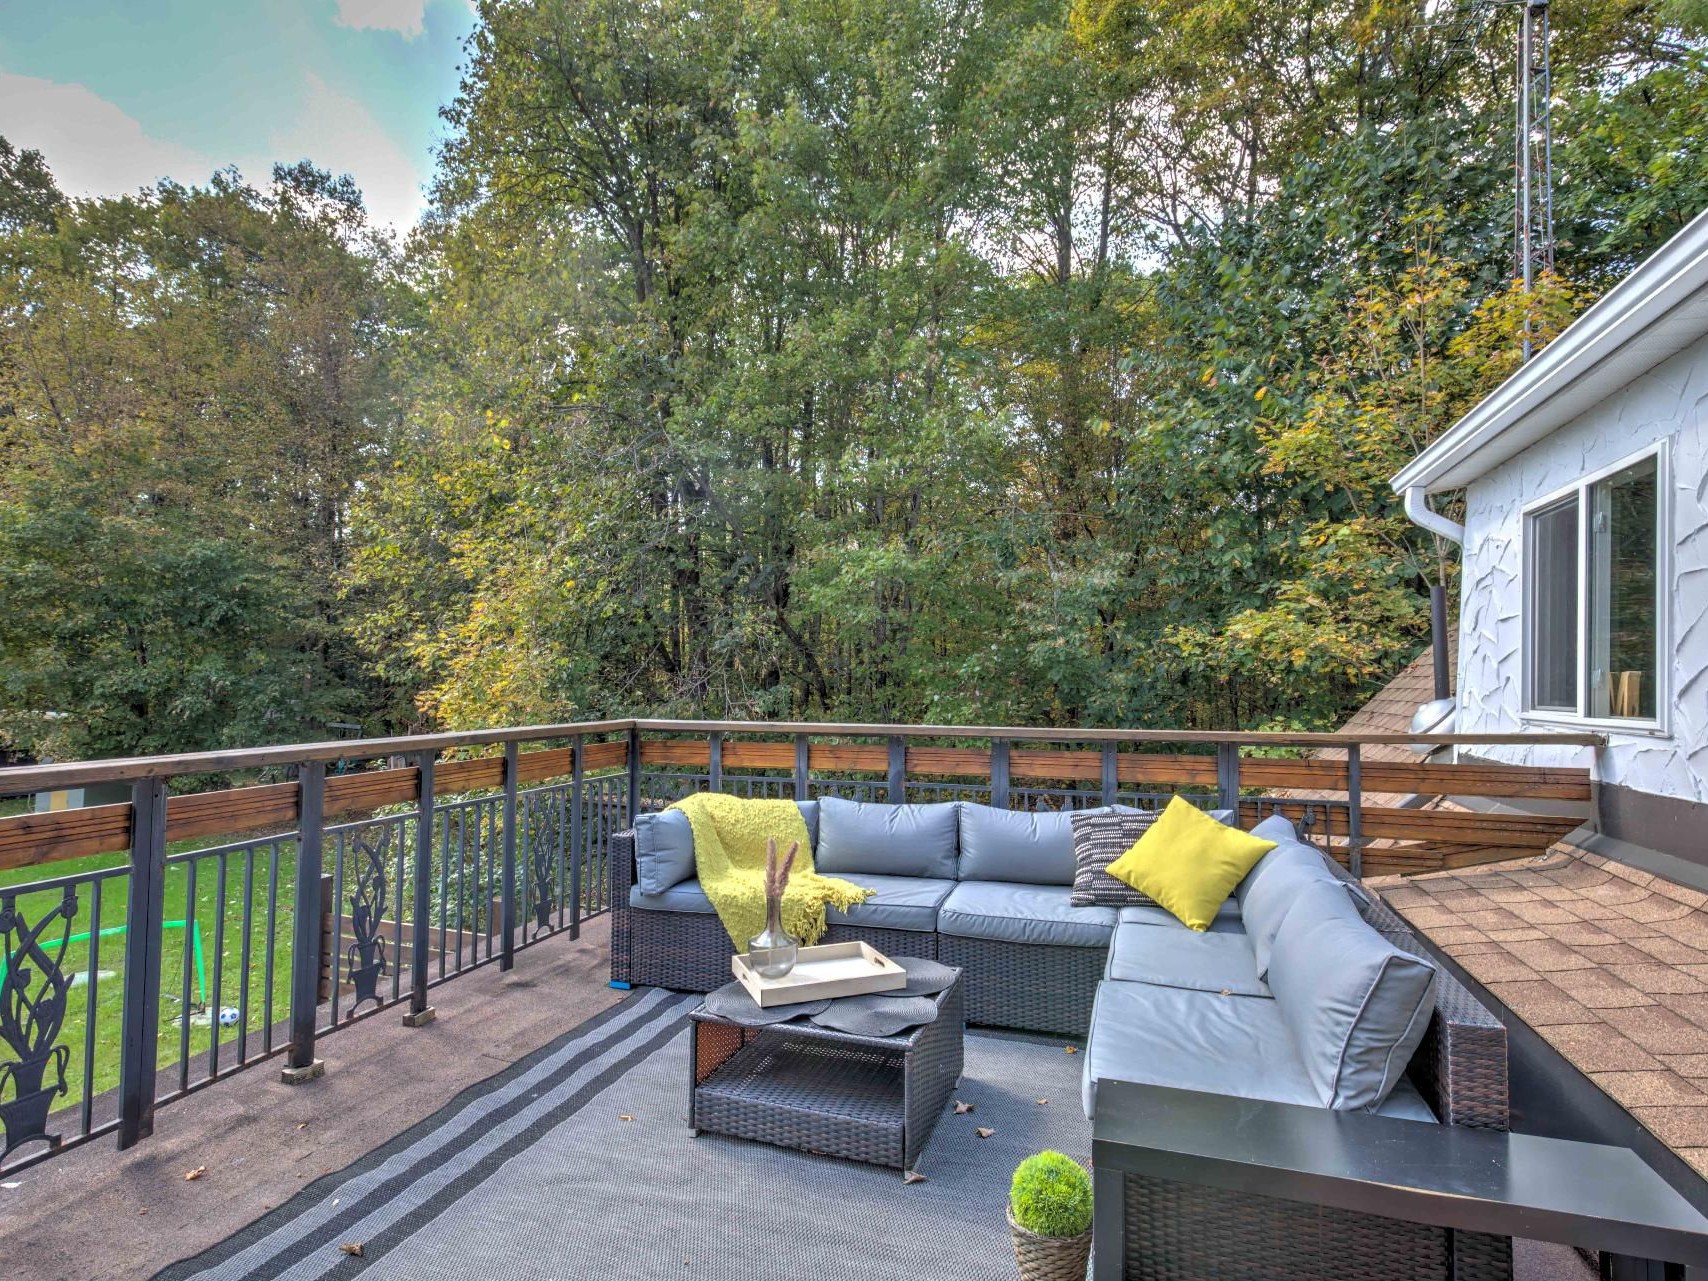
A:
x: 1189, y: 863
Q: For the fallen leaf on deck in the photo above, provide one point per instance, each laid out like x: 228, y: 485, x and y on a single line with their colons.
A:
x: 984, y: 1131
x: 624, y: 1116
x: 961, y: 1109
x: 1043, y: 1102
x: 352, y: 1247
x: 1071, y: 1049
x: 912, y: 1176
x: 191, y: 1175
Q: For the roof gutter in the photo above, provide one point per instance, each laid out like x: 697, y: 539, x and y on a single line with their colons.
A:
x: 1422, y: 514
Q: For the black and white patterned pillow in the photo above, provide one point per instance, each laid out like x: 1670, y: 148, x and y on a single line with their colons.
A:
x: 1098, y: 840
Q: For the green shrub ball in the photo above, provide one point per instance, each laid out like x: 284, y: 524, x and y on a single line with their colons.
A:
x: 1051, y: 1195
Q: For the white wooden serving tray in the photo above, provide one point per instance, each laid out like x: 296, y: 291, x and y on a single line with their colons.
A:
x: 829, y: 970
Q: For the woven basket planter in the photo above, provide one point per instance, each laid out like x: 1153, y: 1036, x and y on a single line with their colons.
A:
x: 1049, y: 1258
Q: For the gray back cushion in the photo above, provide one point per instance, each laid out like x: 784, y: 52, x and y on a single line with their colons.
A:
x: 1268, y: 890
x: 1356, y: 1005
x: 664, y: 850
x: 886, y: 840
x: 1030, y: 847
x: 664, y: 847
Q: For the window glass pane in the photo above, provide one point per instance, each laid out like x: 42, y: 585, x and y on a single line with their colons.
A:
x: 1554, y: 607
x: 1623, y: 553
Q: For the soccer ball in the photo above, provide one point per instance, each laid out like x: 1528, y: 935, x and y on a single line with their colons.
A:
x: 228, y: 1016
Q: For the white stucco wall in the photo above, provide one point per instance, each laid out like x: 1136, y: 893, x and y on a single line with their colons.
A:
x: 1670, y: 401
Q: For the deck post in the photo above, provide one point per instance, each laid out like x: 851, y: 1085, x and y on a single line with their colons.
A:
x: 898, y: 769
x: 999, y: 773
x: 507, y: 874
x: 714, y: 762
x: 1354, y: 811
x: 577, y: 849
x: 421, y: 902
x: 139, y: 1034
x: 300, y: 1063
x: 1227, y: 778
x: 634, y: 763
x: 803, y: 766
x: 1111, y: 776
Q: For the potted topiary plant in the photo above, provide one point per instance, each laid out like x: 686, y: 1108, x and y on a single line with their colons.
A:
x: 1049, y: 1217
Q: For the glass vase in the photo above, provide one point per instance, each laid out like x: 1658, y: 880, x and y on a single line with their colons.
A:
x: 772, y: 952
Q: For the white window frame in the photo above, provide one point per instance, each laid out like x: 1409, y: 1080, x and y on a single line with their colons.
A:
x: 1580, y: 488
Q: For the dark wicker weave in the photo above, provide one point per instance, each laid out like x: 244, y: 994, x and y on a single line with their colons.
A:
x: 795, y: 1085
x: 1038, y: 987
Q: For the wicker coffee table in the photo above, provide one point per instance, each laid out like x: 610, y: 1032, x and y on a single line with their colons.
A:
x: 797, y: 1085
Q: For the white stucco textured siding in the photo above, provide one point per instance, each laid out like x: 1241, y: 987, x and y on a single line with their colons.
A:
x: 1670, y: 402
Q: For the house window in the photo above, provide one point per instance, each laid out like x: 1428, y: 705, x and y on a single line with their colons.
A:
x: 1593, y: 604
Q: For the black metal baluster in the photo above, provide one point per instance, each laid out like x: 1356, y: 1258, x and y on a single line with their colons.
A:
x: 245, y: 955
x: 442, y: 843
x: 337, y: 952
x: 401, y: 877
x: 217, y: 997
x: 184, y: 1004
x: 272, y: 937
x: 90, y: 1005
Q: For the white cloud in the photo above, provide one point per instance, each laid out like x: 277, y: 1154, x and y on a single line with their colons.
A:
x: 338, y: 133
x: 95, y: 149
x: 406, y: 17
x: 92, y: 146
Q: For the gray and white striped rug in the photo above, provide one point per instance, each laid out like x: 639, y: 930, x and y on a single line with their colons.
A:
x: 536, y: 1175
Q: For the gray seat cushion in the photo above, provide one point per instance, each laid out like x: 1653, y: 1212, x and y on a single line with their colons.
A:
x: 1404, y: 1103
x: 1226, y: 921
x: 664, y: 850
x: 901, y: 903
x: 1208, y: 962
x: 886, y: 840
x: 1007, y: 912
x: 664, y: 846
x: 1233, y: 1045
x: 684, y: 897
x: 1269, y: 890
x: 1357, y: 1006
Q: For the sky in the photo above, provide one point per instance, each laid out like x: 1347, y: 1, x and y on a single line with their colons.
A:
x: 118, y: 94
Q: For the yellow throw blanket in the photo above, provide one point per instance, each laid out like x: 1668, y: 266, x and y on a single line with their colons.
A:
x: 729, y: 858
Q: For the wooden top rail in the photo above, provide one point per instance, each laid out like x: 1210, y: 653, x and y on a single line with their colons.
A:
x: 34, y: 778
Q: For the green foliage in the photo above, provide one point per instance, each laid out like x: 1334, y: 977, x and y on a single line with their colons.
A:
x: 1051, y: 1195
x: 1029, y: 361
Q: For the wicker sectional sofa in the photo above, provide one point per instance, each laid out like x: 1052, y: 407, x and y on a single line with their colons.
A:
x: 989, y: 890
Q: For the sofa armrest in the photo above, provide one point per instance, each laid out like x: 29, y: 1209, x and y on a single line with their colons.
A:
x: 622, y: 866
x: 1461, y: 1066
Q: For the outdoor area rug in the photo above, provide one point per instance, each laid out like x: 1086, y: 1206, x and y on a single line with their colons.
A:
x: 577, y: 1162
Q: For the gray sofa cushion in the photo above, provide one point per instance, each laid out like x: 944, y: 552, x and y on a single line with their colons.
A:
x: 901, y: 903
x: 1099, y: 838
x: 1234, y: 1045
x: 1027, y: 847
x: 664, y: 850
x: 1227, y: 919
x: 684, y: 897
x: 1180, y: 957
x: 1030, y: 847
x: 1007, y: 912
x: 664, y: 846
x: 886, y: 840
x: 1270, y: 889
x: 1357, y: 1006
